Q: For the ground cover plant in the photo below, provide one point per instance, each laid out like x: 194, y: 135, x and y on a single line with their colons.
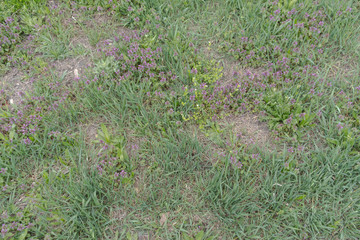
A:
x: 159, y: 119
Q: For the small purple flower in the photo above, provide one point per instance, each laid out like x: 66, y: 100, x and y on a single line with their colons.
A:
x: 20, y: 227
x: 123, y: 173
x: 339, y: 126
x: 30, y: 225
x: 4, y: 215
x: 105, y: 147
x: 27, y: 141
x: 4, y: 230
x: 289, y: 120
x: 239, y: 165
x: 134, y: 147
x: 13, y: 225
x: 277, y: 48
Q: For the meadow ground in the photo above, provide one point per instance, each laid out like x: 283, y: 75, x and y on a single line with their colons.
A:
x: 173, y: 119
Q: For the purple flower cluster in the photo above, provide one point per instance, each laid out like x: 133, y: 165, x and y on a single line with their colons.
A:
x: 27, y: 120
x: 311, y: 27
x: 9, y: 36
x: 134, y: 60
x: 108, y: 166
x: 111, y: 165
x: 235, y: 162
x: 14, y: 227
x: 24, y: 123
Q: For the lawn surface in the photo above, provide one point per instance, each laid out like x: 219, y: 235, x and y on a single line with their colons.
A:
x: 173, y: 119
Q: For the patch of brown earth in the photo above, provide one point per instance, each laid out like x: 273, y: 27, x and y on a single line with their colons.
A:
x: 67, y: 66
x: 101, y: 20
x: 14, y: 86
x: 81, y: 40
x: 90, y: 129
x: 117, y: 214
x: 249, y: 130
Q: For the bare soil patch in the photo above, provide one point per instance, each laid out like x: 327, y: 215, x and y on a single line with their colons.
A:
x: 68, y: 66
x: 14, y: 86
x: 91, y: 127
x: 249, y: 130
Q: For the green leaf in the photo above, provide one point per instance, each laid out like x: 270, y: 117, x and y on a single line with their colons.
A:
x: 2, y: 137
x: 200, y: 235
x: 23, y: 235
x: 12, y: 133
x: 300, y: 197
x: 105, y: 133
x: 186, y: 237
x: 97, y: 203
x: 280, y: 212
x: 46, y: 177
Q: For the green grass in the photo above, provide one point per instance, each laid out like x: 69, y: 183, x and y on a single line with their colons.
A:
x: 135, y: 149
